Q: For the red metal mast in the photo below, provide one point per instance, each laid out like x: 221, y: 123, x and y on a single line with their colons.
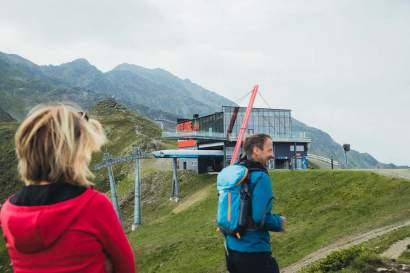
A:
x: 232, y: 122
x: 244, y: 125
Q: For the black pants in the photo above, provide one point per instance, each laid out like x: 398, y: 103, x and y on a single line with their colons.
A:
x: 257, y: 262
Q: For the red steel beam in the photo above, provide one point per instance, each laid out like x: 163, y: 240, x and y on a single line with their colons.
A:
x: 244, y: 125
x: 232, y: 122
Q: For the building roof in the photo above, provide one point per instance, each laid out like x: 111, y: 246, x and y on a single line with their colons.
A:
x: 274, y: 109
x: 180, y: 120
x: 181, y: 153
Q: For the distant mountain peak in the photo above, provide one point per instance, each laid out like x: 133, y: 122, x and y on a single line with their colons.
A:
x: 79, y: 65
x: 133, y: 68
x: 138, y: 69
x: 16, y: 59
x: 80, y: 61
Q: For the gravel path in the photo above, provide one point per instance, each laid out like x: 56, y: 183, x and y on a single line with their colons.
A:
x: 396, y: 249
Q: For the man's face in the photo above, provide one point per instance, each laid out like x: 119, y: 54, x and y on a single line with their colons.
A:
x: 264, y: 155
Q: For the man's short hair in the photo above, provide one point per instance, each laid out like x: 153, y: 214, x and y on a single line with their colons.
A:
x: 257, y: 140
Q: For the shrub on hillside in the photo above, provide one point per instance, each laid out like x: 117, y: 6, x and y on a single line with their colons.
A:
x: 335, y: 261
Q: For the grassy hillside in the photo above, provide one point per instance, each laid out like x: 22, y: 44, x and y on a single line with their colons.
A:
x: 321, y: 206
x: 123, y: 129
x: 9, y: 181
x: 8, y: 161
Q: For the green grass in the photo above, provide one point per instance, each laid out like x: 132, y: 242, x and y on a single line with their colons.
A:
x: 156, y: 191
x: 8, y: 178
x: 169, y: 144
x: 405, y: 257
x: 171, y: 242
x: 9, y: 181
x: 321, y: 207
x: 4, y: 257
x: 324, y: 205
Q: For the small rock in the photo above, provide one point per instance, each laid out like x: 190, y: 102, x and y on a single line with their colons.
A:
x: 382, y: 269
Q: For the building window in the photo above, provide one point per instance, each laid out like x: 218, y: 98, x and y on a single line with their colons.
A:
x: 299, y: 148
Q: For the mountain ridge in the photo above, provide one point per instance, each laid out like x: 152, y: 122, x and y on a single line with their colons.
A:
x: 155, y: 93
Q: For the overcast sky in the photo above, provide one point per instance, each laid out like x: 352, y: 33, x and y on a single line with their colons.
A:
x: 341, y: 66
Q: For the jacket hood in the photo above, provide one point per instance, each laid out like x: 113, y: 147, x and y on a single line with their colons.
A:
x: 32, y: 229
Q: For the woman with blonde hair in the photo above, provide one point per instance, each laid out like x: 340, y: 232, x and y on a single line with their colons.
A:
x: 57, y: 222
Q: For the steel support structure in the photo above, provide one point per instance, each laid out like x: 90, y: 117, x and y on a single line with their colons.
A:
x: 244, y: 125
x: 175, y: 182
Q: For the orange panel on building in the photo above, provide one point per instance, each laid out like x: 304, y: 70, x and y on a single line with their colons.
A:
x: 184, y: 126
x: 187, y: 126
x: 186, y: 143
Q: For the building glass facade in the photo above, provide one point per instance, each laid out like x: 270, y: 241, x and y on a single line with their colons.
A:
x: 211, y: 123
x: 274, y: 122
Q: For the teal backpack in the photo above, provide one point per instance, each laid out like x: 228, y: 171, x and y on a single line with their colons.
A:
x: 234, y: 214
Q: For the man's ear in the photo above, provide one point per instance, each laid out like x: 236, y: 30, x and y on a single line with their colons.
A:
x: 256, y: 150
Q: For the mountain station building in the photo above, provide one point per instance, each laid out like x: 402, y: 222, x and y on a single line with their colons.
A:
x: 219, y: 131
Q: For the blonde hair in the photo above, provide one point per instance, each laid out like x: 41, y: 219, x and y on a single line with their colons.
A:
x: 54, y: 144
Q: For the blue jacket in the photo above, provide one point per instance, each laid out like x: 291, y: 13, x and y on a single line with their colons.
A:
x: 262, y: 201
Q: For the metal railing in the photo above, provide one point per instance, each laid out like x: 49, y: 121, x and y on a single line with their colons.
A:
x: 326, y: 160
x: 296, y: 136
x: 194, y: 134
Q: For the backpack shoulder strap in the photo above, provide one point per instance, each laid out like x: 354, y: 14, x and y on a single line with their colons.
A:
x: 251, y: 187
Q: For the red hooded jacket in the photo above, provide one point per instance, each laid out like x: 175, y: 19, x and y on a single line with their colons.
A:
x: 76, y: 235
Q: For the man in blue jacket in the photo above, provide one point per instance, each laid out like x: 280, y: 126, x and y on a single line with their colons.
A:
x: 251, y: 253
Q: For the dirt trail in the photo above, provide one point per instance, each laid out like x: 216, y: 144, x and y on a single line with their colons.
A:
x: 341, y: 244
x: 193, y: 199
x: 396, y: 249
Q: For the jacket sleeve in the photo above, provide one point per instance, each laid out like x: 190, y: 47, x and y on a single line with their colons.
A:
x: 262, y: 200
x: 113, y: 238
